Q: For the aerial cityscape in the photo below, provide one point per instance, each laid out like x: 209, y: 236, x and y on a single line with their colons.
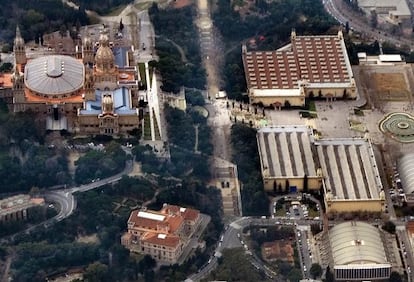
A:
x: 207, y: 140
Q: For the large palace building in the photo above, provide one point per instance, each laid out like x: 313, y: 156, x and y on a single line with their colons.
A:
x: 95, y: 91
x: 310, y: 66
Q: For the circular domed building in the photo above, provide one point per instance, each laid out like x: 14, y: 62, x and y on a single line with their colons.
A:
x: 91, y: 92
x: 354, y: 250
x: 54, y: 76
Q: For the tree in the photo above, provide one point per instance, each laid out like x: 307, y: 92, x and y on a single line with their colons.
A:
x: 287, y: 104
x: 6, y: 67
x: 62, y: 30
x: 315, y: 270
x: 389, y: 226
x: 121, y: 26
x: 234, y: 266
x: 287, y: 186
x: 305, y: 184
x: 395, y: 277
x: 279, y: 188
x: 147, y: 263
x: 96, y: 272
x: 329, y: 277
x: 374, y: 19
x: 6, y: 48
x: 295, y: 275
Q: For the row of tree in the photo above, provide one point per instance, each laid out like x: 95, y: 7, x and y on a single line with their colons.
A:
x: 177, y: 47
x: 246, y: 156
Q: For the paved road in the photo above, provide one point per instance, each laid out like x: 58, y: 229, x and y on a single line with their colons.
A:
x: 230, y: 239
x: 405, y: 245
x: 66, y: 201
x: 343, y: 14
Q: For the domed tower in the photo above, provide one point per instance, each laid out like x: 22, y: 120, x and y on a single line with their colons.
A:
x: 105, y: 70
x: 87, y: 49
x: 18, y: 90
x: 88, y: 84
x: 19, y: 48
x: 104, y: 59
x: 108, y: 120
x: 107, y: 104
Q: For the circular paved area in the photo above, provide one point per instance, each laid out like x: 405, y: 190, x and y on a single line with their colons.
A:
x: 399, y: 126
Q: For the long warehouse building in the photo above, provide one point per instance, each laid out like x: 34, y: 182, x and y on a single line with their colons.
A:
x: 286, y: 158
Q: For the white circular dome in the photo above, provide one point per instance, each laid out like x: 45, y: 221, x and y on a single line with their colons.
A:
x: 54, y: 75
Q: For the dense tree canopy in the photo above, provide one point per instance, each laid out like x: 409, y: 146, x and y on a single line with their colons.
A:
x: 99, y: 164
x: 181, y: 133
x: 246, y: 156
x: 269, y: 23
x: 177, y: 48
x: 37, y: 18
x: 236, y: 266
x: 34, y: 260
x: 24, y: 161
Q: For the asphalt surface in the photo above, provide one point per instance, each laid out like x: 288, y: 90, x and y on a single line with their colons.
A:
x: 344, y: 14
x: 66, y: 201
x: 230, y: 239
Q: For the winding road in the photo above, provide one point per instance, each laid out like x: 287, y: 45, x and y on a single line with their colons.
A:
x: 230, y: 239
x: 343, y: 14
x: 66, y: 201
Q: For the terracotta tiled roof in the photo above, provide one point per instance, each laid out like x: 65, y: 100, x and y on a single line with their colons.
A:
x: 316, y: 59
x: 5, y: 80
x: 410, y: 227
x: 186, y: 213
x: 168, y: 240
x: 30, y: 97
x: 321, y: 59
x: 271, y: 69
x: 172, y: 223
x: 126, y: 75
x: 279, y: 249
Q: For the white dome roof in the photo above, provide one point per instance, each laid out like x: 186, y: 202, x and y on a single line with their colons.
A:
x: 52, y: 75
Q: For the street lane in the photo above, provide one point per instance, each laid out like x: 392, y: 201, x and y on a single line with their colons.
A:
x: 343, y: 14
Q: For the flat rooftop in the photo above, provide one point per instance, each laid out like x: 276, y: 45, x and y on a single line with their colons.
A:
x: 285, y: 151
x: 397, y: 7
x: 349, y: 168
x: 121, y: 99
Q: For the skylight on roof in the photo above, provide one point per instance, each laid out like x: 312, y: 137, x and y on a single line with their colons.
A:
x: 162, y: 236
x: 151, y: 216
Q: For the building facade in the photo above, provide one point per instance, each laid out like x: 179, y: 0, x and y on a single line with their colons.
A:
x: 352, y: 182
x: 17, y: 207
x: 286, y: 158
x: 394, y: 11
x: 95, y: 91
x: 310, y: 66
x: 161, y: 234
x: 355, y: 251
